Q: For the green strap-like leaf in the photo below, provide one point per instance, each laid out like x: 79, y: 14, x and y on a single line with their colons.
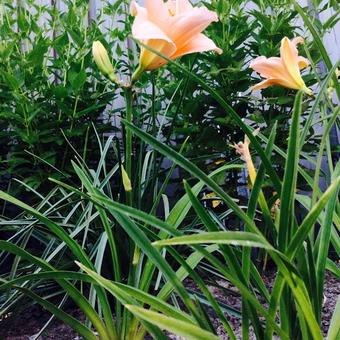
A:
x: 334, y: 327
x: 67, y: 286
x: 236, y: 238
x: 308, y: 222
x: 185, y: 329
x: 290, y: 177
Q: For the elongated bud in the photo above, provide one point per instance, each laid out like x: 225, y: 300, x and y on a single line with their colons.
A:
x: 102, y: 60
x: 126, y: 180
x: 242, y: 148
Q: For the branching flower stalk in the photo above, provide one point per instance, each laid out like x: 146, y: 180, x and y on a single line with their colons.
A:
x: 173, y: 28
x: 102, y: 59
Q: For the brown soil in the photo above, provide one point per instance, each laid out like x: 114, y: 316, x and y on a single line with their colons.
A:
x: 25, y: 325
x: 29, y: 323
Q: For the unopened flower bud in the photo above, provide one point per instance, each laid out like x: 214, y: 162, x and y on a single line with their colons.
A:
x: 330, y: 91
x: 126, y: 180
x: 242, y: 148
x: 102, y: 60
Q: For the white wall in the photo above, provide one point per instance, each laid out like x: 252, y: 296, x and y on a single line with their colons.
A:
x: 332, y: 39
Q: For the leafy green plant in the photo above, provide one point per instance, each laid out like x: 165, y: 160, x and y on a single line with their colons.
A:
x: 112, y: 244
x: 50, y: 95
x: 91, y: 211
x: 132, y: 220
x: 242, y: 33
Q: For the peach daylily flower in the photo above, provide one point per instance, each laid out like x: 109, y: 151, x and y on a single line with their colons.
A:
x: 283, y: 70
x: 173, y: 28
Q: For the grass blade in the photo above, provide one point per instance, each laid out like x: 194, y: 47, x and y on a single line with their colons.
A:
x: 236, y: 238
x: 290, y: 177
x: 334, y: 329
x: 185, y: 329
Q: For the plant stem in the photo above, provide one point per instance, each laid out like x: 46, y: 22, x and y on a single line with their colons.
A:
x: 128, y: 140
x: 137, y: 74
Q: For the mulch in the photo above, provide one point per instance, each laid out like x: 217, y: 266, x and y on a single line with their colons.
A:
x: 28, y: 323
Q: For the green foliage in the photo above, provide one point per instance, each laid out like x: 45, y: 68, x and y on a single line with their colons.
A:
x: 122, y: 256
x: 243, y: 33
x: 50, y: 93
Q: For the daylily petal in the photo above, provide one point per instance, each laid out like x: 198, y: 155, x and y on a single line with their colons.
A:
x: 263, y: 84
x: 186, y: 26
x: 303, y: 62
x: 183, y: 6
x: 272, y: 81
x: 179, y: 6
x: 134, y: 8
x: 158, y: 12
x: 289, y: 55
x: 269, y: 67
x: 298, y: 40
x: 143, y: 29
x: 200, y: 43
x: 150, y: 60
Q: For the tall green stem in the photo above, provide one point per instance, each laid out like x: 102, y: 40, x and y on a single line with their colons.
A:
x: 128, y: 140
x: 128, y: 92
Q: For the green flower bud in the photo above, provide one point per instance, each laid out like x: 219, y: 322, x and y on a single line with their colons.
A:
x: 126, y: 180
x: 102, y: 60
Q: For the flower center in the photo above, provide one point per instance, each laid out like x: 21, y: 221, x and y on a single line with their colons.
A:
x: 172, y: 12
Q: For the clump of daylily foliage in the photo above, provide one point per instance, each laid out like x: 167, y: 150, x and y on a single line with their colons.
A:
x: 136, y: 269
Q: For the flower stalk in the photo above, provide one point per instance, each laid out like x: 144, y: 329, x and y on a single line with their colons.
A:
x: 128, y: 92
x: 137, y: 74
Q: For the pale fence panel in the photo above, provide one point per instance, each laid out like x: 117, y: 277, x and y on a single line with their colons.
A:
x: 331, y: 39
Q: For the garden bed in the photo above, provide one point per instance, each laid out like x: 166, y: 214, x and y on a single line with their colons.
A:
x: 153, y: 167
x: 28, y: 323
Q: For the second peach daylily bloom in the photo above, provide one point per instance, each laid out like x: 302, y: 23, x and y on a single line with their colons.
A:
x: 283, y: 70
x: 173, y: 28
